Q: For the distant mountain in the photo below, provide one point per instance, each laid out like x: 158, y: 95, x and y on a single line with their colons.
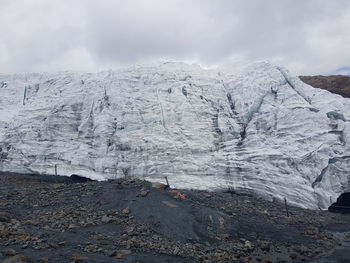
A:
x: 339, y: 84
x: 260, y: 130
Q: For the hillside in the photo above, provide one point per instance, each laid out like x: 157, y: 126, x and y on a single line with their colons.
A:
x: 338, y: 84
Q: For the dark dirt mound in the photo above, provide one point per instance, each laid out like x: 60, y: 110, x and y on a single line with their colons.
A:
x: 338, y: 84
x: 79, y: 179
x: 342, y: 205
x: 41, y: 178
x: 50, y: 219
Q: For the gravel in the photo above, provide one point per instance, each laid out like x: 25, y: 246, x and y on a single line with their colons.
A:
x: 61, y: 219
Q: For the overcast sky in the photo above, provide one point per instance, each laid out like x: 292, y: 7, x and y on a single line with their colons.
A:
x: 306, y: 36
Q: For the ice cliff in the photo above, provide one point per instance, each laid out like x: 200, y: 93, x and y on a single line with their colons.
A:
x: 260, y: 129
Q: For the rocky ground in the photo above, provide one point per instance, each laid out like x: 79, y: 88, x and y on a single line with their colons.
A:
x: 59, y: 219
x: 338, y: 84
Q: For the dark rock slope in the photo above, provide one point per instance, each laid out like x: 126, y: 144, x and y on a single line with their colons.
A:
x: 54, y: 219
x: 338, y: 84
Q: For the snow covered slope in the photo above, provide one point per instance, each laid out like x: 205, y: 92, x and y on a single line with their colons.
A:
x: 259, y: 130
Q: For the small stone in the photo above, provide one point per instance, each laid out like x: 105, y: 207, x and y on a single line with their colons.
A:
x: 44, y: 259
x: 56, y: 186
x: 15, y: 259
x: 78, y: 259
x: 122, y: 253
x: 302, y: 250
x: 248, y: 244
x: 293, y: 255
x: 106, y: 219
x: 119, y: 256
x: 160, y: 186
x: 29, y: 222
x: 170, y: 204
x: 222, y: 237
x: 177, y: 194
x: 24, y: 246
x: 126, y: 211
x: 176, y: 251
x: 265, y: 246
x: 9, y: 252
x: 53, y: 245
x: 144, y: 193
x: 130, y: 231
x: 5, y: 217
x: 4, y: 233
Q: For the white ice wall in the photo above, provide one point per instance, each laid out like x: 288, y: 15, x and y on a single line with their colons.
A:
x: 259, y: 130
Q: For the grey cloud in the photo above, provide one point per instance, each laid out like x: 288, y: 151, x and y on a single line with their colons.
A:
x: 309, y: 37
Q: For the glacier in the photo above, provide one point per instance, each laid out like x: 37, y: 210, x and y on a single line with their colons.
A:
x: 258, y: 129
